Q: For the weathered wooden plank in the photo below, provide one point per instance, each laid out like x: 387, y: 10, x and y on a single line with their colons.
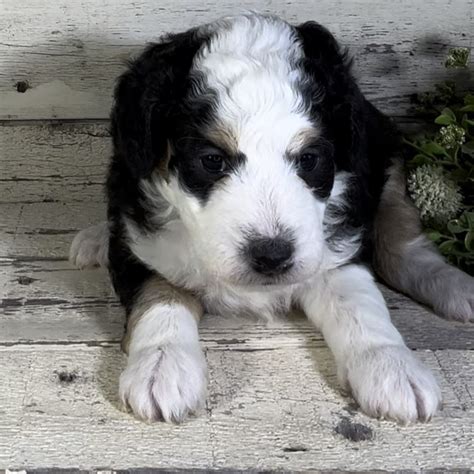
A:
x: 47, y: 301
x: 301, y: 432
x: 44, y: 230
x: 51, y: 184
x: 53, y: 163
x: 275, y: 409
x: 67, y: 59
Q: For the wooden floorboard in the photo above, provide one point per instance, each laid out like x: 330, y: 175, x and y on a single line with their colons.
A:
x: 48, y: 301
x: 273, y: 401
x: 266, y: 409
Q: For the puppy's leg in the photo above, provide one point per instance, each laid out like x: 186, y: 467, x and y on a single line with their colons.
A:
x: 406, y: 259
x: 166, y: 373
x: 90, y: 247
x: 372, y: 360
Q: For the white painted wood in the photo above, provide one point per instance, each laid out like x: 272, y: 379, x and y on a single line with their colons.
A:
x: 50, y: 302
x: 267, y: 409
x: 70, y: 51
x: 53, y: 163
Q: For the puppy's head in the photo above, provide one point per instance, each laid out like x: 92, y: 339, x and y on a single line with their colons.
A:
x: 242, y: 127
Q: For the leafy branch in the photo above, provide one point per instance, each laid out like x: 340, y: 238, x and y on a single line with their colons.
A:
x: 440, y: 170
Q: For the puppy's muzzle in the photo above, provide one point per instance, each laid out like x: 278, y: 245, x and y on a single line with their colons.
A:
x: 270, y: 256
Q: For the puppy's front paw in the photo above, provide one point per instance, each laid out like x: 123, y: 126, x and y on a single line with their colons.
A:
x: 390, y: 382
x: 165, y: 383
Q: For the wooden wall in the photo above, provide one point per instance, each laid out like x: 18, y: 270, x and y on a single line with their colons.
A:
x: 67, y: 53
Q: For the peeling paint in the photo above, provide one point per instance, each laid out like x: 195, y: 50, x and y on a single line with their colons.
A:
x: 55, y: 99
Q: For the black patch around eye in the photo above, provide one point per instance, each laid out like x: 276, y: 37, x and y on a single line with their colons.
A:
x: 308, y: 161
x: 214, y: 163
x: 315, y: 166
x: 200, y: 165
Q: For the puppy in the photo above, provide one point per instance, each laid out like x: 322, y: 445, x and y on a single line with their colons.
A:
x: 250, y: 175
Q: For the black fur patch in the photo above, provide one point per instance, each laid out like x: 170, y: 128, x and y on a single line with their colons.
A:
x: 186, y: 162
x: 364, y: 140
x: 321, y: 178
x: 148, y: 98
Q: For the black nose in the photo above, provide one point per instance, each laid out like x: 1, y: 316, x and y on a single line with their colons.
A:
x: 270, y: 256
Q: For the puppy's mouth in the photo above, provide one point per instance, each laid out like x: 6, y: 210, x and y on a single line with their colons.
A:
x: 253, y: 280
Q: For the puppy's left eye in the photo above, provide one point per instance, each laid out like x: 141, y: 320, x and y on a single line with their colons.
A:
x: 307, y: 161
x: 213, y: 163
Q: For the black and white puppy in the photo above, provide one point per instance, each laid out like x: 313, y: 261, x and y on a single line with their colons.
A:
x: 250, y: 175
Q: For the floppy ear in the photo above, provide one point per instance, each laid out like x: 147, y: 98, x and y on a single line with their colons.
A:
x: 365, y: 140
x: 334, y: 93
x: 323, y: 53
x: 360, y: 128
x: 144, y: 99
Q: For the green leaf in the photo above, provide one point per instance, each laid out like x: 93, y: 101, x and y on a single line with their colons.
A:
x: 466, y: 121
x: 455, y: 226
x: 464, y: 221
x: 467, y: 108
x: 469, y: 99
x: 469, y: 216
x: 460, y: 253
x: 433, y: 148
x: 469, y: 145
x: 433, y: 235
x: 447, y: 246
x: 460, y: 175
x: 469, y: 241
x: 419, y: 160
x: 468, y: 151
x: 447, y: 117
x: 443, y: 120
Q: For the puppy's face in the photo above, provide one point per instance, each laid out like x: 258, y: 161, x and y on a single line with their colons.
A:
x: 250, y: 170
x: 254, y: 208
x: 241, y: 144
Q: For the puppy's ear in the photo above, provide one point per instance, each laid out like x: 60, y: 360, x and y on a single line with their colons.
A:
x: 365, y: 140
x: 333, y: 92
x: 145, y: 97
x: 324, y: 58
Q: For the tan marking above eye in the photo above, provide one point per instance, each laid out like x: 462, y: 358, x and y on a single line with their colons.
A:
x: 302, y: 139
x: 223, y: 138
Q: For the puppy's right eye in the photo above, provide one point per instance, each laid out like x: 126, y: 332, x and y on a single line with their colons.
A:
x: 213, y: 163
x: 308, y: 161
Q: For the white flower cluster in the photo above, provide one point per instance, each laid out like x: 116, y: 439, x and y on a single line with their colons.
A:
x: 437, y: 197
x: 452, y: 136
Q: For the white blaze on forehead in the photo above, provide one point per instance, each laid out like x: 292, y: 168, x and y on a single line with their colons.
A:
x: 251, y: 64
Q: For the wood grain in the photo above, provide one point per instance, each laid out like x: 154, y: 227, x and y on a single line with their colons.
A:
x: 48, y: 302
x: 53, y: 163
x: 67, y: 53
x: 265, y: 410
